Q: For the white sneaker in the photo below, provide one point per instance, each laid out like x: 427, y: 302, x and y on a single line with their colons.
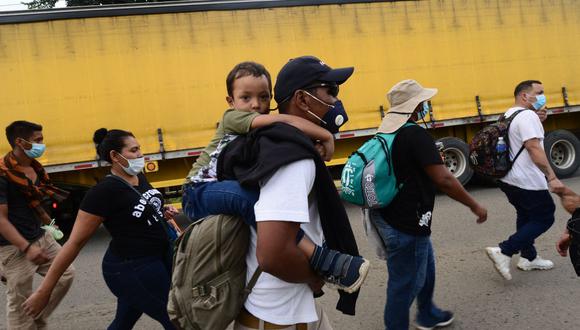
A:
x: 500, y: 261
x: 538, y: 263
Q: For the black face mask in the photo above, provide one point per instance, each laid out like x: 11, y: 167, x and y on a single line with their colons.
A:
x: 334, y: 118
x: 574, y: 251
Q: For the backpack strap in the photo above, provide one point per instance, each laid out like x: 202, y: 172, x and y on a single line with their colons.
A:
x: 362, y: 156
x: 387, y: 152
x: 252, y: 283
x: 510, y: 119
x: 169, y: 231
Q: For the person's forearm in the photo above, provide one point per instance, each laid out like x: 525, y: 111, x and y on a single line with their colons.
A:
x: 290, y: 265
x: 9, y: 232
x: 278, y: 253
x: 453, y: 188
x: 539, y: 158
x: 312, y: 130
x: 63, y: 260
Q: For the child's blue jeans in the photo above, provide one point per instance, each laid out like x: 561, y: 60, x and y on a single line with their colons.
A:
x: 219, y: 197
x: 222, y: 197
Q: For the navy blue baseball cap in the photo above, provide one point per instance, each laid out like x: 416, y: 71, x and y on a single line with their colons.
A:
x: 304, y: 71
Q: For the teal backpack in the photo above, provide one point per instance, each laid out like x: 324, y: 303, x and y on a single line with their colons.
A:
x: 368, y: 178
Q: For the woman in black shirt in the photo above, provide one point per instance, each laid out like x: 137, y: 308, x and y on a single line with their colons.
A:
x: 137, y: 264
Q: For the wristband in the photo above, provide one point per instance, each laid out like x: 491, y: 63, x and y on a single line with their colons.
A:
x: 552, y: 179
x: 27, y: 247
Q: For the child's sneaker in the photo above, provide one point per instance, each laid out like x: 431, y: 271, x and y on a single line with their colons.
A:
x: 339, y: 270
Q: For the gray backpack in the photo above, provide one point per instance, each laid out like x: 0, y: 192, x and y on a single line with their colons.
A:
x: 208, y: 284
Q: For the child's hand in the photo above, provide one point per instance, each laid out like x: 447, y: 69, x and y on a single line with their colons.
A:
x: 325, y: 148
x: 169, y: 211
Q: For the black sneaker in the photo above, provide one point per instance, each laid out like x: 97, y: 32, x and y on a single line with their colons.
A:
x: 339, y: 270
x: 444, y: 320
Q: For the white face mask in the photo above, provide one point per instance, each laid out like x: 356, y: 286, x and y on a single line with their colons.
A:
x: 135, y: 167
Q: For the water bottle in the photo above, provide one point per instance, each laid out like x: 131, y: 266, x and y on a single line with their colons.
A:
x: 501, y: 155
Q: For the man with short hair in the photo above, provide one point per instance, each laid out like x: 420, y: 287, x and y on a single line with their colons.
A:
x: 25, y: 247
x: 526, y: 184
x: 405, y: 224
x: 296, y: 192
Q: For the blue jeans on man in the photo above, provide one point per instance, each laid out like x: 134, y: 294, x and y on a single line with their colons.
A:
x: 411, y: 269
x: 535, y: 215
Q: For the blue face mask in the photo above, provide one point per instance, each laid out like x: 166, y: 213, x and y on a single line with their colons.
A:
x: 334, y: 118
x: 424, y: 111
x: 36, y: 151
x: 540, y: 101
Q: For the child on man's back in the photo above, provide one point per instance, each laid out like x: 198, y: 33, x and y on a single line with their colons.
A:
x: 249, y: 90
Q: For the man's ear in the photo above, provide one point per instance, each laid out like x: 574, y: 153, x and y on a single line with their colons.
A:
x: 23, y: 144
x: 300, y: 100
x: 230, y: 101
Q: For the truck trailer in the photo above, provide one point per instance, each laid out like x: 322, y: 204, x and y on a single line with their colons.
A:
x: 158, y: 70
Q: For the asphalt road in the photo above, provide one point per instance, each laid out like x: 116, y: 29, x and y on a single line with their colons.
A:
x: 466, y: 280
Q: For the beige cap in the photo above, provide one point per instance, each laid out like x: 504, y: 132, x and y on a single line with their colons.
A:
x: 404, y: 97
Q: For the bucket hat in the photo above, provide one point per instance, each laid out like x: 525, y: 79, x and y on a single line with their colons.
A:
x: 404, y: 97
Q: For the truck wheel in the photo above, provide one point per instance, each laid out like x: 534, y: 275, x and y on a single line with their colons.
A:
x: 455, y: 157
x: 562, y: 149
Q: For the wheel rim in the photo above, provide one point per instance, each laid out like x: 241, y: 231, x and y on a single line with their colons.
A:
x: 455, y: 161
x: 562, y: 154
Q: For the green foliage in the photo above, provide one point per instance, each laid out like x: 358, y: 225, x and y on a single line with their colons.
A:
x: 40, y: 4
x: 47, y: 4
x: 73, y: 3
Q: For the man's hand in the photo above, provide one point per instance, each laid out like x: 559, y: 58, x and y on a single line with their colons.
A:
x: 480, y: 212
x: 542, y: 113
x: 35, y: 303
x: 36, y: 255
x: 316, y: 286
x: 563, y: 244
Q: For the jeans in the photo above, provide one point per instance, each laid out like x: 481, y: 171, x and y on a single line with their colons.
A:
x: 141, y: 285
x: 411, y: 269
x: 219, y: 197
x: 535, y: 215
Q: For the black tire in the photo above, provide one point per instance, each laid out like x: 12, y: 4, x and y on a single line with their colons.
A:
x: 456, y: 158
x: 562, y: 147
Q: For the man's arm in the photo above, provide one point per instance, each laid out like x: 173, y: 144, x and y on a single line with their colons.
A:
x: 33, y: 253
x: 85, y: 226
x: 539, y: 158
x: 570, y: 200
x: 312, y: 130
x: 447, y: 183
x: 279, y: 255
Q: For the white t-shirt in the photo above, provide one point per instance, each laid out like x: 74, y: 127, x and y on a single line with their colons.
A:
x: 285, y: 197
x: 524, y: 173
